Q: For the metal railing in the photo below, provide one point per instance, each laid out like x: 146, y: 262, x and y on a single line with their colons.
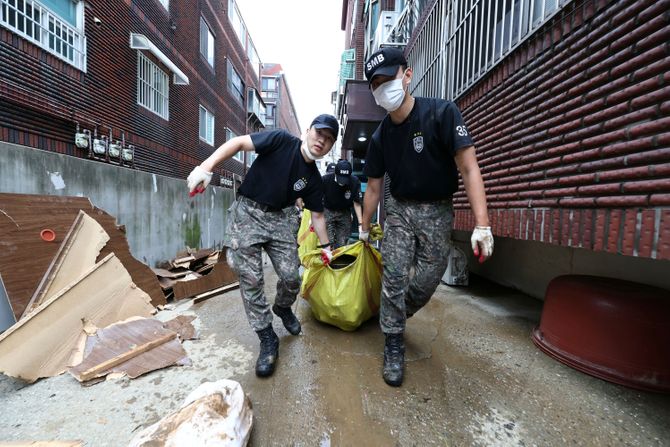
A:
x: 461, y: 40
x: 36, y: 23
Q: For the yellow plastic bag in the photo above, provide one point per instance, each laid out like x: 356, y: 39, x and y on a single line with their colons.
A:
x: 307, y: 239
x: 348, y: 296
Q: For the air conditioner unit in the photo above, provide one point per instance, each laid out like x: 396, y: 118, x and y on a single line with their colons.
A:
x: 387, y: 20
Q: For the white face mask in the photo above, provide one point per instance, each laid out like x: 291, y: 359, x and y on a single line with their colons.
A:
x: 308, y: 153
x: 390, y: 94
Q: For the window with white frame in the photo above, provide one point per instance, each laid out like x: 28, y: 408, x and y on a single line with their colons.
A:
x: 236, y: 20
x: 165, y: 3
x: 270, y: 114
x: 54, y: 25
x: 251, y: 156
x: 269, y: 84
x: 253, y: 58
x: 240, y: 155
x: 153, y: 86
x: 206, y: 42
x: 235, y: 84
x: 206, y: 126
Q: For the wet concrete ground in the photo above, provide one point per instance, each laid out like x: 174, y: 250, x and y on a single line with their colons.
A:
x: 473, y: 377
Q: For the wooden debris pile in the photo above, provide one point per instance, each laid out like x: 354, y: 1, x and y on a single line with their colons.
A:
x: 196, y: 274
x: 75, y: 298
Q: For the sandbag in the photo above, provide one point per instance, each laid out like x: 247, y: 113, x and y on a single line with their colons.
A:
x: 347, y: 292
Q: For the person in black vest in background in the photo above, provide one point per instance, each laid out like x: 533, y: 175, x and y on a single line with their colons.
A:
x: 342, y: 191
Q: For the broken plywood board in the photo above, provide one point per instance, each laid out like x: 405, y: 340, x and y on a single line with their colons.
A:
x: 132, y: 347
x: 182, y: 325
x: 211, y: 293
x: 25, y: 257
x: 76, y: 254
x: 221, y: 275
x: 41, y: 344
x: 172, y: 274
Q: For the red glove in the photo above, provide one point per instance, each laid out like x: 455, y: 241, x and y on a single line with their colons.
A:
x: 197, y: 190
x: 326, y: 255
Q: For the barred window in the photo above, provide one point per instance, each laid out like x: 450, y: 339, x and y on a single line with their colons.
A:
x: 486, y: 32
x: 460, y: 41
x: 54, y: 25
x: 152, y: 87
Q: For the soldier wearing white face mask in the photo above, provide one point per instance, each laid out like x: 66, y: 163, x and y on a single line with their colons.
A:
x: 422, y: 144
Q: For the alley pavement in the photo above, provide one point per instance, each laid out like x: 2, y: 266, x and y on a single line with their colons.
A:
x: 473, y: 378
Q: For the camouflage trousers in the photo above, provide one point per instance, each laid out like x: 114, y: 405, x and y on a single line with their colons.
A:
x: 252, y: 228
x: 338, y: 224
x: 294, y: 217
x: 417, y: 235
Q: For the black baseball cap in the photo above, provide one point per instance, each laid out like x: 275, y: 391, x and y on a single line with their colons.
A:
x: 330, y: 167
x: 343, y: 173
x: 326, y: 121
x: 384, y: 62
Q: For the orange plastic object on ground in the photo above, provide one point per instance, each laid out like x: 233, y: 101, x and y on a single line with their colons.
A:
x: 609, y: 328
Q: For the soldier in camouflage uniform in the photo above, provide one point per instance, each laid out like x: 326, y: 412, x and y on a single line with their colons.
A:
x: 283, y: 171
x: 422, y: 145
x: 342, y: 191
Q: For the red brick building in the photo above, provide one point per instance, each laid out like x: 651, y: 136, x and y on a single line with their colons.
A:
x: 568, y: 104
x: 280, y: 111
x: 172, y: 79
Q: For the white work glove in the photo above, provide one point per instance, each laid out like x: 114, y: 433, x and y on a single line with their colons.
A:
x: 482, y: 243
x: 326, y: 255
x: 198, y: 180
x: 363, y: 235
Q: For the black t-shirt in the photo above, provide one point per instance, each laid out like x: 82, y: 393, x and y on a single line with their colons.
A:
x: 418, y: 154
x: 338, y: 197
x: 280, y: 174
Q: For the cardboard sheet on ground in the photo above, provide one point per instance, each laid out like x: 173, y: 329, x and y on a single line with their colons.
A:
x: 76, y: 255
x: 132, y: 347
x: 307, y: 238
x: 348, y: 296
x: 42, y: 343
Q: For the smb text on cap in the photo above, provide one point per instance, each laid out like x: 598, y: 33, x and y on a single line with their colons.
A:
x: 343, y: 173
x: 384, y: 62
x: 326, y: 121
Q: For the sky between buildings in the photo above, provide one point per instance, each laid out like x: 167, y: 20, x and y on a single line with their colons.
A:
x: 303, y: 36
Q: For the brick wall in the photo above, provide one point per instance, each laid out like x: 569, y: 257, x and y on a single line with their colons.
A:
x: 287, y: 117
x: 573, y: 132
x: 41, y: 97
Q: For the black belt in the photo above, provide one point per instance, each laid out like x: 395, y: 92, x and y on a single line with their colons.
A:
x: 260, y: 206
x: 446, y: 201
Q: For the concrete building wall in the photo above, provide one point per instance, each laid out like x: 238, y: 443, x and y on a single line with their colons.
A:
x: 159, y: 217
x: 529, y: 265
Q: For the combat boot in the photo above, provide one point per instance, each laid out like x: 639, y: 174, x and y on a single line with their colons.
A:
x: 290, y: 321
x: 394, y: 359
x: 267, y: 357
